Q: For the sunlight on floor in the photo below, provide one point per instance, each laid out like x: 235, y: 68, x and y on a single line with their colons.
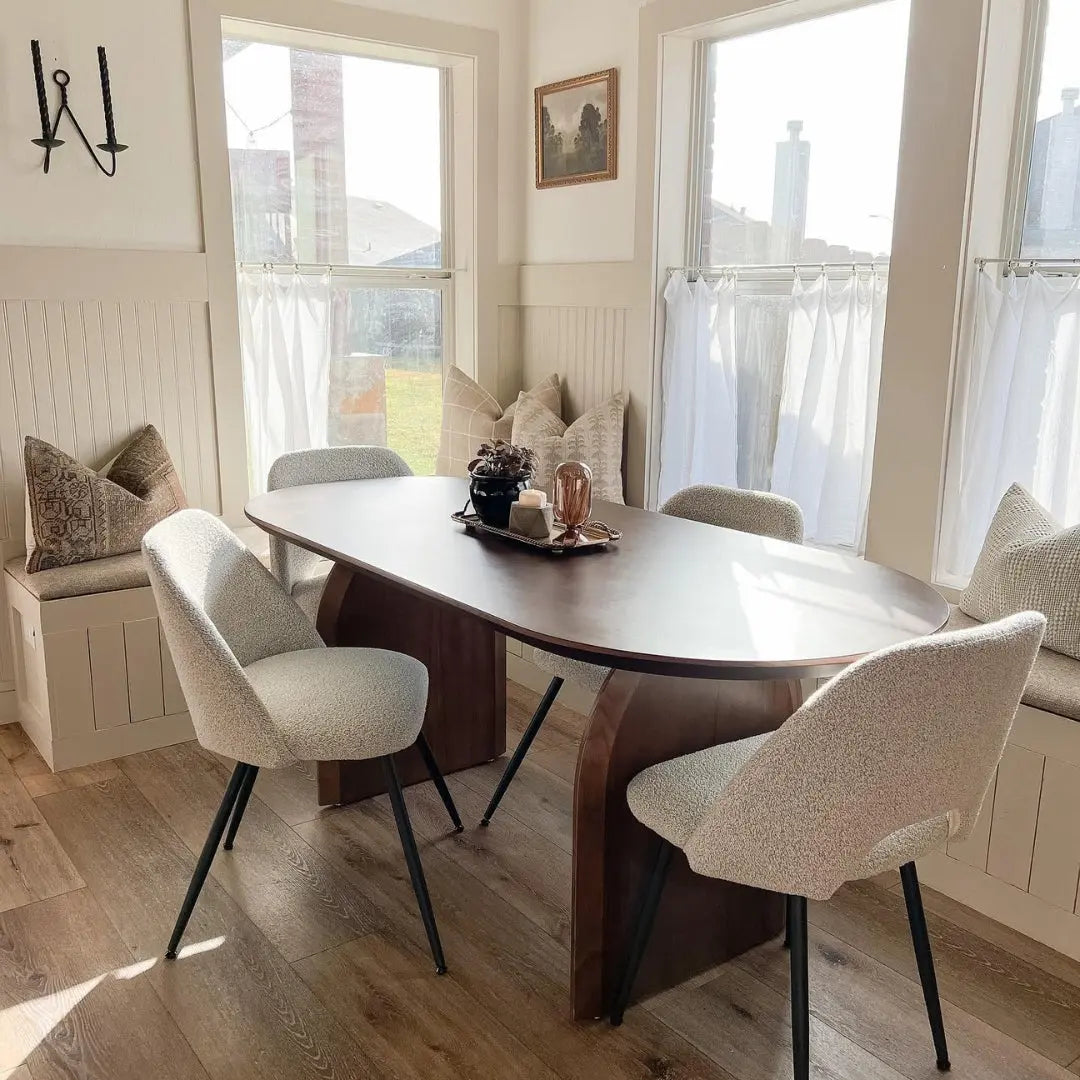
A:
x: 25, y: 1026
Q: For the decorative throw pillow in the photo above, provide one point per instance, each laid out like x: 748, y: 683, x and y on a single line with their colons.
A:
x: 471, y: 416
x: 595, y: 438
x: 74, y: 515
x: 1029, y: 563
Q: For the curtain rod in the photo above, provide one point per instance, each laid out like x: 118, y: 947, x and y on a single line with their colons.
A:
x: 1027, y: 262
x: 793, y: 267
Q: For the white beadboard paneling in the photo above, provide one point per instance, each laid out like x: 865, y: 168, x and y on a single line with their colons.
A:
x: 585, y: 345
x: 93, y: 345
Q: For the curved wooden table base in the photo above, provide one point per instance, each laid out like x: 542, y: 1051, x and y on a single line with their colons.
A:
x: 638, y: 721
x: 466, y: 661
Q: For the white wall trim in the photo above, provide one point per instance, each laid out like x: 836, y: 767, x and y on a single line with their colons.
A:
x: 54, y: 273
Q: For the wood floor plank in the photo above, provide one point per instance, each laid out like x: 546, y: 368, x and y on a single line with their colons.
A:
x: 883, y: 1011
x: 33, y: 865
x: 300, y: 903
x: 1008, y: 993
x: 528, y: 870
x: 292, y: 792
x: 242, y: 1008
x: 38, y: 779
x: 72, y: 1003
x: 497, y: 955
x: 21, y: 1073
x: 419, y: 1028
x: 746, y: 1026
x: 1012, y: 941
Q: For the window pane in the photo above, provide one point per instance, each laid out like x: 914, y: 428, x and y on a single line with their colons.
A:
x: 386, y: 374
x: 323, y: 171
x: 803, y: 138
x: 1052, y: 217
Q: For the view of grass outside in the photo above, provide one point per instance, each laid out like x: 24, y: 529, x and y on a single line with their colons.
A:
x: 414, y: 416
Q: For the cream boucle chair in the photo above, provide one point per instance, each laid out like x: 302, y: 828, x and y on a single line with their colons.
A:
x: 303, y: 573
x: 878, y: 767
x: 728, y: 508
x: 263, y: 689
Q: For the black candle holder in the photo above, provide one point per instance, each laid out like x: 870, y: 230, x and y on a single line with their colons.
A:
x: 48, y: 140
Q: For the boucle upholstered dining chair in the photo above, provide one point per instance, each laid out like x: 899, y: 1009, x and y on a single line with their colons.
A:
x: 303, y: 573
x: 756, y: 512
x: 881, y: 765
x: 263, y: 689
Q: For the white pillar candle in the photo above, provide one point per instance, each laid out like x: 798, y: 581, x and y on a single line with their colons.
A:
x: 532, y: 497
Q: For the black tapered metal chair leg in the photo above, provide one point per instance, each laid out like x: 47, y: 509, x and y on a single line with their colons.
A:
x: 924, y: 958
x: 437, y: 778
x: 241, y: 805
x: 202, y: 867
x: 800, y: 988
x: 512, y: 766
x: 412, y: 861
x: 787, y: 922
x: 650, y: 901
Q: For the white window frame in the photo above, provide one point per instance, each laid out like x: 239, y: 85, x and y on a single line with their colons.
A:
x: 469, y: 276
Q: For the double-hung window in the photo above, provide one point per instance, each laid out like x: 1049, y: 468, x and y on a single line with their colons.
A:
x: 1016, y: 406
x: 341, y: 178
x: 773, y: 330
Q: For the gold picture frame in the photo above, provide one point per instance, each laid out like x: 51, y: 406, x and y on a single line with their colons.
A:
x: 577, y: 130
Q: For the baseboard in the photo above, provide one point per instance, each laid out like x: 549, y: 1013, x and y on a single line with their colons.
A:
x: 526, y: 673
x: 9, y: 707
x: 1023, y: 912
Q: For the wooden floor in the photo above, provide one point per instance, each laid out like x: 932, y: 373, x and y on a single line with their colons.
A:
x: 306, y: 958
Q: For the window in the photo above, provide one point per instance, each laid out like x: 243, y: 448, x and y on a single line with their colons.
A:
x: 801, y: 138
x: 1051, y: 222
x: 773, y: 339
x: 1016, y: 406
x: 338, y: 167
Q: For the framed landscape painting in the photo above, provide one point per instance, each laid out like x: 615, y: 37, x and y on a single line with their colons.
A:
x: 577, y: 130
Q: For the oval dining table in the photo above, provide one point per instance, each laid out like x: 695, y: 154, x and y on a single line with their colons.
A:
x: 712, y: 635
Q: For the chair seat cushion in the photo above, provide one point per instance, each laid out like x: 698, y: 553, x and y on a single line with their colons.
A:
x: 1054, y: 683
x: 342, y: 703
x: 672, y: 798
x: 81, y: 579
x: 591, y: 676
x: 307, y: 592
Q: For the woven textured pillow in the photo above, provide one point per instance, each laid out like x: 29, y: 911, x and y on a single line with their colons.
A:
x: 74, y: 515
x: 595, y: 438
x: 471, y: 416
x: 1029, y: 563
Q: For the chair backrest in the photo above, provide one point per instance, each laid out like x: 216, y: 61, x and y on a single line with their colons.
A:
x: 758, y: 512
x: 221, y: 610
x: 904, y: 736
x: 323, y: 465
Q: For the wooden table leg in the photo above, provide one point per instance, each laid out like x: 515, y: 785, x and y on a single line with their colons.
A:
x: 639, y: 720
x: 466, y: 661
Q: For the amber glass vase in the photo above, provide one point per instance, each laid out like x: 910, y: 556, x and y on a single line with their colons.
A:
x: 572, y: 499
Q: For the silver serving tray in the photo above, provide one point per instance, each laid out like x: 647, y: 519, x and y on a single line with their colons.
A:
x: 595, y: 534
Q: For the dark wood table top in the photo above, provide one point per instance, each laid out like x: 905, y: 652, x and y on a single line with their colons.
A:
x: 672, y: 597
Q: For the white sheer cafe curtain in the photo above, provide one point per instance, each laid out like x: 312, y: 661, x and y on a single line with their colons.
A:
x: 1016, y: 413
x: 776, y: 393
x: 698, y: 443
x: 285, y: 346
x: 828, y: 410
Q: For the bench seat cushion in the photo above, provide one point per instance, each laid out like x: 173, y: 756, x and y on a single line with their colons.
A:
x: 1054, y: 684
x: 81, y: 579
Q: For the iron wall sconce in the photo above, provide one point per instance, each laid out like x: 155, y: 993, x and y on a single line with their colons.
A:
x: 48, y: 141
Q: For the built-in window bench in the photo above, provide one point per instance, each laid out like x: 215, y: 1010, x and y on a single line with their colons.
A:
x: 93, y: 675
x: 1022, y: 864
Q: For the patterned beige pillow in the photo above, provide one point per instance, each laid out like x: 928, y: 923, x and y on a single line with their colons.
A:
x: 74, y: 515
x: 1029, y: 563
x: 595, y: 438
x: 471, y: 416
